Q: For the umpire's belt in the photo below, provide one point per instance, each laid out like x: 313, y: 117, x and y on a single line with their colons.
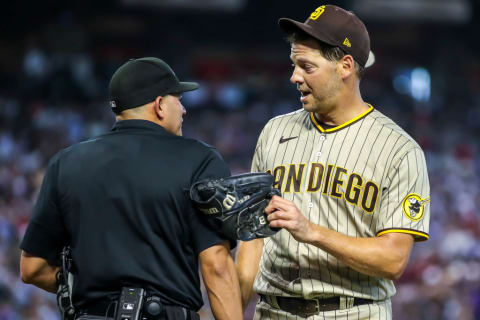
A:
x: 306, y: 308
x: 105, y: 309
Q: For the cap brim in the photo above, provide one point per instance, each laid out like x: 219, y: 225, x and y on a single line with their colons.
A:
x: 289, y: 26
x: 187, y: 86
x: 370, y: 60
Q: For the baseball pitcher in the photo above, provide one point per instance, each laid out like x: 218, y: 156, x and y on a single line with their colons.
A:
x: 354, y: 185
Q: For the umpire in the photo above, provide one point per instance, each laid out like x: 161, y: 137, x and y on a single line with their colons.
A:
x: 119, y: 202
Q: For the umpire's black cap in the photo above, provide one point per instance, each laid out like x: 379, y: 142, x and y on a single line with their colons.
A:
x: 336, y: 27
x: 140, y: 81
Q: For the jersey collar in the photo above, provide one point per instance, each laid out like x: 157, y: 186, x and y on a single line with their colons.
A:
x: 343, y: 125
x: 138, y: 124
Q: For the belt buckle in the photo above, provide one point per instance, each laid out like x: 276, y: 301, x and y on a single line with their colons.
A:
x: 317, y: 306
x: 307, y: 311
x: 322, y: 307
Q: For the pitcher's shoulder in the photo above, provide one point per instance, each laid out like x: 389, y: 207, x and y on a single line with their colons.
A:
x: 397, y: 135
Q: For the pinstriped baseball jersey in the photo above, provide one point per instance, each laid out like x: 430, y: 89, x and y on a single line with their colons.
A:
x: 364, y: 178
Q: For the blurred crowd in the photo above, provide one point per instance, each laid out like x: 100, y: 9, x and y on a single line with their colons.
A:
x: 54, y: 94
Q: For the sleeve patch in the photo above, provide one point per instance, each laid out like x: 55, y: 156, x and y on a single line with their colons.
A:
x: 413, y: 206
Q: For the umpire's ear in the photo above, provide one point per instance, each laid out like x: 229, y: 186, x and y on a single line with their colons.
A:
x: 158, y: 107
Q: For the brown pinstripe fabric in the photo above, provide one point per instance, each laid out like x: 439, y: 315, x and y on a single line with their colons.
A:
x: 353, y: 179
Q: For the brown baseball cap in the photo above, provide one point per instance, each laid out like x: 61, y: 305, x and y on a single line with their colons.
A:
x: 336, y: 27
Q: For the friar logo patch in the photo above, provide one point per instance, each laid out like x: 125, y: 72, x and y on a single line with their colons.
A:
x: 413, y: 206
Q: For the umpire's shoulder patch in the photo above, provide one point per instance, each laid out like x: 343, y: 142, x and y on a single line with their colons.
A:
x: 413, y: 206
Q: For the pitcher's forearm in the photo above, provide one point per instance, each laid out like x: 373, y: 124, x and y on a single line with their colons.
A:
x: 385, y: 256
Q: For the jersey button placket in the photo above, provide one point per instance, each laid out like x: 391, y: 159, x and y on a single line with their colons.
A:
x: 315, y: 156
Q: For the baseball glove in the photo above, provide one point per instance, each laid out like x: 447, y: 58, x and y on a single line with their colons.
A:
x: 238, y: 202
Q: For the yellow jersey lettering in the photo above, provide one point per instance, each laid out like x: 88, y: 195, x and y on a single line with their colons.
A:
x: 370, y: 196
x: 327, y: 179
x: 278, y: 175
x: 337, y: 182
x: 294, y: 177
x: 316, y: 176
x: 354, y: 185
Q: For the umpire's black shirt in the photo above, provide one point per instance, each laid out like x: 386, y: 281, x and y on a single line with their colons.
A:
x: 120, y: 201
